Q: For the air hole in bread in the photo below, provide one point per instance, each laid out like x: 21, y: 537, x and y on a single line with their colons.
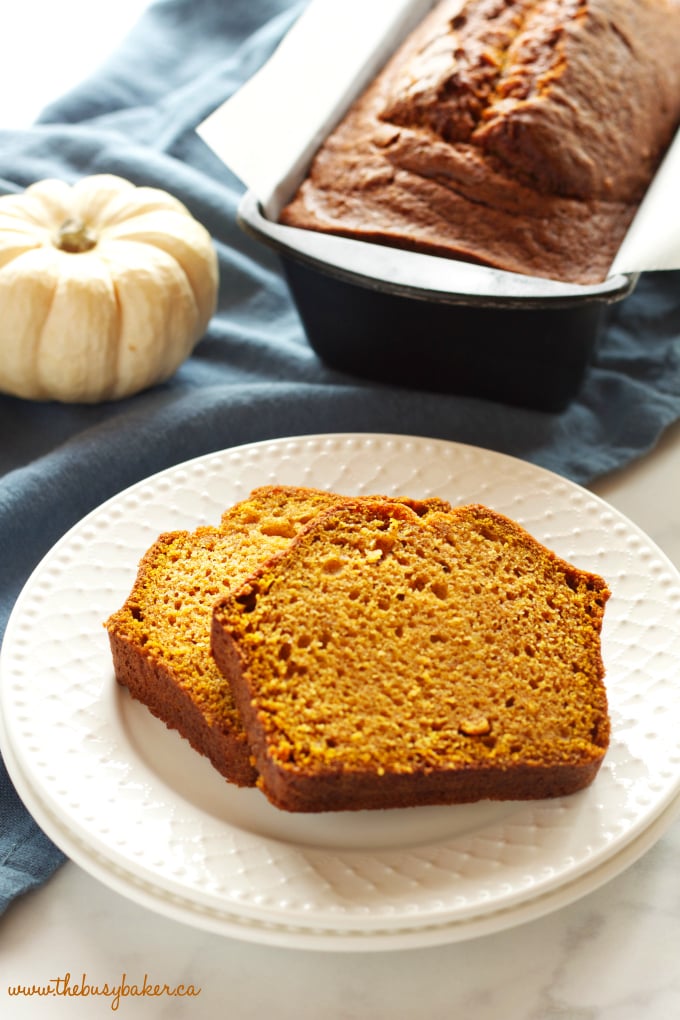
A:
x: 333, y: 566
x: 248, y: 599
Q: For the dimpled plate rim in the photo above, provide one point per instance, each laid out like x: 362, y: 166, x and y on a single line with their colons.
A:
x: 64, y: 726
x: 222, y: 922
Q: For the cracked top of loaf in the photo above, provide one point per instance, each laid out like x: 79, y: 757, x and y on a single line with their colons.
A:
x: 521, y: 134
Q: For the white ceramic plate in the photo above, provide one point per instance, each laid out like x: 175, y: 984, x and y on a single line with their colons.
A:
x: 134, y: 805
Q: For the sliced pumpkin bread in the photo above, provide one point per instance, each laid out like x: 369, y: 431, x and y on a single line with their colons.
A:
x: 386, y: 659
x: 160, y: 637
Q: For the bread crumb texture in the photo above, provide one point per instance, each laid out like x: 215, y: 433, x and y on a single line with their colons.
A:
x: 386, y: 642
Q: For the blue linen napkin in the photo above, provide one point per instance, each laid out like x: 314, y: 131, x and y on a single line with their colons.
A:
x: 253, y: 376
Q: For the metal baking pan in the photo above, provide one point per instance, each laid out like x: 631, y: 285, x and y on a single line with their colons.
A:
x: 438, y: 324
x: 377, y: 311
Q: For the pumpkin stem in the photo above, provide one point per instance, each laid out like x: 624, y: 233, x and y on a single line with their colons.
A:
x: 75, y: 236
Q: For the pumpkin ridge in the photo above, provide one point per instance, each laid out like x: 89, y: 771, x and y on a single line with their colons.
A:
x: 193, y: 286
x: 36, y: 332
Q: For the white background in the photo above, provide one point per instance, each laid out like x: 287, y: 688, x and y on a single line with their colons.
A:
x: 48, y: 46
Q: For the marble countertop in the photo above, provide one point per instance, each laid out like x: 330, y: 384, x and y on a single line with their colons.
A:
x: 608, y: 956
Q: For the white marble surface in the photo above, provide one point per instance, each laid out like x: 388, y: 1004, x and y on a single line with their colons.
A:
x: 613, y: 955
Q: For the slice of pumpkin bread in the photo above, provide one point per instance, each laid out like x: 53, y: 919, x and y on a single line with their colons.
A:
x: 386, y: 660
x: 160, y: 637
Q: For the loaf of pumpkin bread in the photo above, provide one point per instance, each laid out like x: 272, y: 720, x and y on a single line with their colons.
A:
x: 386, y: 659
x: 520, y: 134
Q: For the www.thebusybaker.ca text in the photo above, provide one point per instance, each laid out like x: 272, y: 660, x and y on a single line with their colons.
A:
x: 65, y: 986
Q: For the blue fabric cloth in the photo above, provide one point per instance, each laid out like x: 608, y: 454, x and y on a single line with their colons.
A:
x: 253, y: 376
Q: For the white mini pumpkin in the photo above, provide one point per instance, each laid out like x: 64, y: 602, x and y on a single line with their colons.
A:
x: 105, y: 289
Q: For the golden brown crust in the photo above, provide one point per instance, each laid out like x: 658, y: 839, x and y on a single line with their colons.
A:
x: 385, y: 660
x: 501, y: 133
x: 220, y: 739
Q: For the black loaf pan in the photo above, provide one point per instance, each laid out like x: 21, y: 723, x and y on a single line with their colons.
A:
x: 436, y: 324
